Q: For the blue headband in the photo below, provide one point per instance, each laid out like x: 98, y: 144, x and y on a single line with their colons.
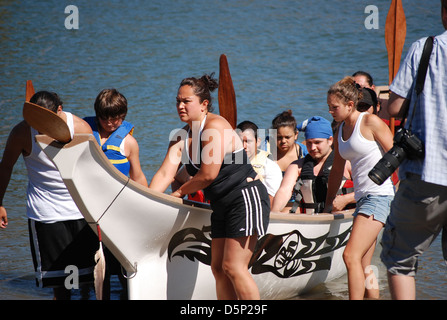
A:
x: 316, y: 127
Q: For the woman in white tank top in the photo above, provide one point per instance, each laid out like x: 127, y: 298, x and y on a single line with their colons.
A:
x: 362, y: 138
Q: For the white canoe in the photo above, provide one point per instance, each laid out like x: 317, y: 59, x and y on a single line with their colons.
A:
x: 163, y: 242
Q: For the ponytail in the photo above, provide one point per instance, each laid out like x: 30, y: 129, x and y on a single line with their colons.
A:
x: 346, y: 90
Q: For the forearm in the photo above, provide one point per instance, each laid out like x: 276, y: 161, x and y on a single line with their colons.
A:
x: 5, y: 176
x: 198, y: 182
x: 281, y: 199
x: 397, y: 106
x: 160, y: 182
x: 335, y: 179
x: 342, y: 200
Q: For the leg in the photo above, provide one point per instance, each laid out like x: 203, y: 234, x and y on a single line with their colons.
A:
x: 237, y: 255
x: 371, y: 282
x: 224, y: 287
x: 361, y: 241
x: 402, y: 287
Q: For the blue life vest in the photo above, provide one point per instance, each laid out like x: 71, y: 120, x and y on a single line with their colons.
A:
x: 111, y: 147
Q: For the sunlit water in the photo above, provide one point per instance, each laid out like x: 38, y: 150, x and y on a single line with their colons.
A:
x: 282, y: 55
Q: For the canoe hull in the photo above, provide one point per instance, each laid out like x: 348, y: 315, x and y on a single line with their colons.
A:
x: 164, y: 243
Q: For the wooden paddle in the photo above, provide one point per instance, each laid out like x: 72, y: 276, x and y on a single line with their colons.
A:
x: 226, y: 95
x: 29, y: 90
x: 395, y: 32
x: 46, y: 122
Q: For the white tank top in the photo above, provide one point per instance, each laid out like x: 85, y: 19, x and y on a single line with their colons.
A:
x: 48, y: 199
x: 363, y: 155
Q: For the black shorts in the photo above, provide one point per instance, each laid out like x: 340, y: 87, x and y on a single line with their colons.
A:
x: 56, y: 246
x: 243, y: 212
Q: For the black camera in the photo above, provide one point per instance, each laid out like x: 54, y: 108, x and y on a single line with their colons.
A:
x: 406, y: 145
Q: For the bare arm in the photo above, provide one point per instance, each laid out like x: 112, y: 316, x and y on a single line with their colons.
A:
x: 135, y: 173
x: 380, y: 131
x: 397, y: 106
x: 335, y: 177
x: 80, y: 125
x: 342, y: 200
x: 284, y: 192
x: 168, y: 169
x: 214, y: 148
x: 16, y: 145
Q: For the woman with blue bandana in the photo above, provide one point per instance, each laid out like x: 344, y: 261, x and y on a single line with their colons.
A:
x: 308, y: 176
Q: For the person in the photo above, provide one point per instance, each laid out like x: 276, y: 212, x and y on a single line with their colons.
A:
x: 309, y: 175
x: 419, y: 210
x: 364, y: 79
x: 59, y: 234
x: 287, y: 149
x: 114, y: 134
x: 368, y: 102
x: 216, y: 160
x: 268, y: 170
x: 362, y: 138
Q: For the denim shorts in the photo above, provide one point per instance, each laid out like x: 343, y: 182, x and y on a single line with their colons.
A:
x: 378, y: 206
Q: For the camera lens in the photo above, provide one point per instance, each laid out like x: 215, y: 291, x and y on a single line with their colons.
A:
x: 387, y: 165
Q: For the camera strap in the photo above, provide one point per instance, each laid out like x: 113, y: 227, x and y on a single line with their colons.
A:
x: 421, y: 74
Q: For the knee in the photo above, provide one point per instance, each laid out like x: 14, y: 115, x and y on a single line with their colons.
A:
x: 350, y: 258
x: 232, y: 270
x: 216, y: 269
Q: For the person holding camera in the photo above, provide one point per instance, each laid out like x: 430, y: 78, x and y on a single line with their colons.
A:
x: 362, y: 138
x: 419, y: 211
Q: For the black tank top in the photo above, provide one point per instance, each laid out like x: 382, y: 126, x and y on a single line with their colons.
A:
x: 233, y: 173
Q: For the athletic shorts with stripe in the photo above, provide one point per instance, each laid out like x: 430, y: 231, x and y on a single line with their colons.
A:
x: 56, y: 246
x: 243, y: 212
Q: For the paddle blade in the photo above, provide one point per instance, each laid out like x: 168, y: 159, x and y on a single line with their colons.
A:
x: 47, y: 122
x: 99, y: 272
x: 395, y: 32
x: 227, y: 97
x: 29, y: 90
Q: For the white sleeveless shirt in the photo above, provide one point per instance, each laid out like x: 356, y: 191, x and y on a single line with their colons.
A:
x: 363, y: 155
x: 48, y: 199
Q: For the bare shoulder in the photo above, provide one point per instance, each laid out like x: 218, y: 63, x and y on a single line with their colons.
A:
x: 80, y: 125
x: 218, y: 122
x: 298, y: 163
x: 372, y: 120
x: 20, y: 137
x: 131, y: 141
x: 21, y: 127
x: 21, y: 132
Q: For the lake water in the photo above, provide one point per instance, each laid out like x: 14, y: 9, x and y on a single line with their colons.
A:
x: 282, y: 55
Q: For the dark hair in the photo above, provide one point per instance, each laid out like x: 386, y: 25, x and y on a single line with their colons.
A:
x: 48, y: 100
x: 284, y: 119
x: 368, y: 100
x: 368, y: 77
x: 202, y: 87
x: 346, y: 90
x: 248, y: 125
x: 110, y: 104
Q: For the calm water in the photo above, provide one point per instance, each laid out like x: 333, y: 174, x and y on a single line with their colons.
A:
x: 282, y: 55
